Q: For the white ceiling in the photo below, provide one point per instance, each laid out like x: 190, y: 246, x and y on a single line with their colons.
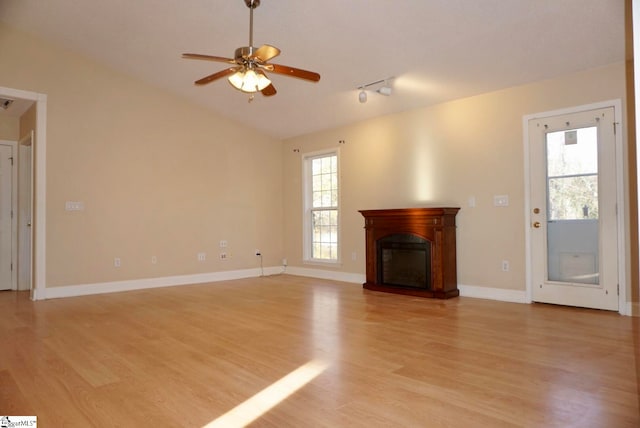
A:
x: 438, y: 50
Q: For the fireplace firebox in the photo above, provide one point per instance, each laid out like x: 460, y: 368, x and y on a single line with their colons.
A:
x: 411, y: 251
x: 404, y: 261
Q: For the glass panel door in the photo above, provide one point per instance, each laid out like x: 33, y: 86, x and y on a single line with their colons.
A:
x: 572, y: 205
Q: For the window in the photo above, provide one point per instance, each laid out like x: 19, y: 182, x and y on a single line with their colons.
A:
x: 321, y: 207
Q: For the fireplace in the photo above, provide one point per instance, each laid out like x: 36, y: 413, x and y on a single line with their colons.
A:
x: 404, y: 261
x: 411, y: 251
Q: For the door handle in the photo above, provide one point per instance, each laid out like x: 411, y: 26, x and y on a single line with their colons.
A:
x: 536, y: 225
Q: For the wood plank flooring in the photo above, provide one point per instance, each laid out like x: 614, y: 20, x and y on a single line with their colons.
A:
x: 185, y: 356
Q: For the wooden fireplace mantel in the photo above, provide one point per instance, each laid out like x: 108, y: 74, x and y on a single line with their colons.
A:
x: 436, y: 225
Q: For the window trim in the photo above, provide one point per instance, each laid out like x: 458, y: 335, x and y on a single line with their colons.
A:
x: 307, y: 207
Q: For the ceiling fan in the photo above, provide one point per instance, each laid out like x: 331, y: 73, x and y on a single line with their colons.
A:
x: 248, y: 73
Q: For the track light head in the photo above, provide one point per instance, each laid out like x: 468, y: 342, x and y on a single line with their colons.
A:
x: 362, y: 96
x: 385, y: 90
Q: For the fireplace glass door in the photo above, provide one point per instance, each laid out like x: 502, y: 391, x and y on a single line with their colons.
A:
x: 404, y: 260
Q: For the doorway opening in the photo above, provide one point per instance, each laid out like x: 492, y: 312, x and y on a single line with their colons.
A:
x: 31, y: 248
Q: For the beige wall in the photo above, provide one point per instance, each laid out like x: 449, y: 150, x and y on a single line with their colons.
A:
x: 9, y: 128
x: 158, y: 175
x: 443, y: 155
x: 162, y: 177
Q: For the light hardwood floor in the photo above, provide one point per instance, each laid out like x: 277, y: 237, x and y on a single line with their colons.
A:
x: 185, y: 356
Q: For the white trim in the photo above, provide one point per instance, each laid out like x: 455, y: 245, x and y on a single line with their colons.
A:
x: 470, y: 291
x: 620, y: 173
x: 327, y: 274
x: 142, y: 284
x: 500, y: 294
x: 39, y: 206
x: 25, y: 235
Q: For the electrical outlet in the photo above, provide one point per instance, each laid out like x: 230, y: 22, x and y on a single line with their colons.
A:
x: 258, y: 253
x: 154, y: 260
x: 202, y: 257
x: 224, y: 243
x: 505, y: 266
x: 223, y: 256
x: 116, y: 262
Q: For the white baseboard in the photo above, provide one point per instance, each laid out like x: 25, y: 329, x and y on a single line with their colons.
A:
x: 633, y: 309
x: 501, y: 294
x: 327, y: 274
x: 514, y: 296
x: 140, y: 284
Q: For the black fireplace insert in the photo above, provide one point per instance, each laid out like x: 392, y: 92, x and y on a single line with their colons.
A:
x: 404, y: 260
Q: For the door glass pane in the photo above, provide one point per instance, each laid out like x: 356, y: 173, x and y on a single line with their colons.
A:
x: 572, y: 206
x: 573, y: 198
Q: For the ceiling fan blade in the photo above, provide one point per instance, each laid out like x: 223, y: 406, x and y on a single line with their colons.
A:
x: 208, y: 57
x: 269, y: 91
x: 265, y: 53
x: 294, y: 72
x: 215, y: 76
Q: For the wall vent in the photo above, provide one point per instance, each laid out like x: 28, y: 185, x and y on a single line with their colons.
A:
x: 5, y: 103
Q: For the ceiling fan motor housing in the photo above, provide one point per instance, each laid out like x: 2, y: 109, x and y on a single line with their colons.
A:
x: 244, y: 53
x: 252, y: 4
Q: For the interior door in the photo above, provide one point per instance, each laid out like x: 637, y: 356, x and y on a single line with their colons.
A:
x: 574, y: 253
x: 6, y: 198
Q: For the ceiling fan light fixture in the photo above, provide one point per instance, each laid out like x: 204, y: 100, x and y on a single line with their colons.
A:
x: 249, y: 81
x: 250, y: 64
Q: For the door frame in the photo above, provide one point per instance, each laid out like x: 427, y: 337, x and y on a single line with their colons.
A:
x: 39, y: 180
x: 620, y: 192
x: 25, y: 200
x: 14, y: 210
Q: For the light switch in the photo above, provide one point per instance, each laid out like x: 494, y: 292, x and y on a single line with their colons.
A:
x: 74, y: 206
x: 501, y: 200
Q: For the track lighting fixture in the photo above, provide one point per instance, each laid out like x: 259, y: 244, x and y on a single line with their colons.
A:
x: 362, y: 96
x: 385, y: 90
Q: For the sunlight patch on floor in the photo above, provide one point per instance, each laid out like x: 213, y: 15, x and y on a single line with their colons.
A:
x: 256, y: 406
